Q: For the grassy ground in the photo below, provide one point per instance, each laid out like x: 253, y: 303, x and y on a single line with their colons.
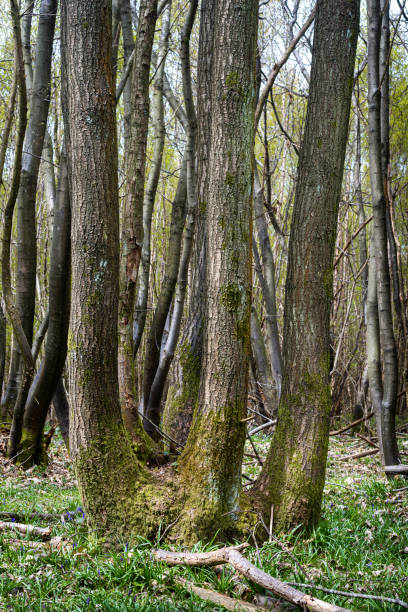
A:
x: 360, y: 545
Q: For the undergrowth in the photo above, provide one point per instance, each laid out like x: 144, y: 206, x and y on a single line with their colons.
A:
x: 360, y: 545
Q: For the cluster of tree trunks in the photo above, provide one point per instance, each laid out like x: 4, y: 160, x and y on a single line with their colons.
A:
x: 193, y: 392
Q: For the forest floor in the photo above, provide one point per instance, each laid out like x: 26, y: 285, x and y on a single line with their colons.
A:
x: 360, y: 545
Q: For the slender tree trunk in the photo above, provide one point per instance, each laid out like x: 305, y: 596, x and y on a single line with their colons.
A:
x: 154, y: 338
x: 263, y: 369
x: 100, y: 449
x: 132, y: 218
x: 12, y: 310
x: 211, y: 463
x: 158, y: 137
x: 153, y: 404
x: 31, y: 447
x: 268, y: 287
x: 38, y: 86
x: 293, y: 474
x: 383, y: 396
x: 182, y: 395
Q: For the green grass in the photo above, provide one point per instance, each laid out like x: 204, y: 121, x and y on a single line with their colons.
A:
x: 361, y: 544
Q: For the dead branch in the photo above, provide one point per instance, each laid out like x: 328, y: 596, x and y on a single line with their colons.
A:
x: 360, y: 455
x: 20, y: 517
x: 214, y: 557
x: 396, y: 469
x: 350, y: 425
x: 269, y: 423
x: 368, y: 440
x: 233, y: 556
x: 219, y: 599
x: 42, y: 532
x: 398, y: 602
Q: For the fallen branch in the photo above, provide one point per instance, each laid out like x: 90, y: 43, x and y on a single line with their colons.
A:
x: 261, y: 427
x: 350, y: 425
x: 396, y: 469
x: 56, y: 542
x: 20, y: 517
x: 368, y: 440
x: 360, y: 455
x: 233, y: 556
x: 398, y: 602
x: 214, y: 557
x: 219, y: 599
x: 42, y: 532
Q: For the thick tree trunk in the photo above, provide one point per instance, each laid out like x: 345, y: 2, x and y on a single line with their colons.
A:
x: 211, y: 463
x: 292, y: 478
x: 100, y: 449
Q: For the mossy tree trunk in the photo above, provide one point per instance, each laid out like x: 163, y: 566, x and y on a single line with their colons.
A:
x: 100, y: 449
x: 293, y: 475
x: 211, y: 462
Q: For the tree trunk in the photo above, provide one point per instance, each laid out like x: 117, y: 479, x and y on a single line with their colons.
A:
x: 31, y: 447
x: 383, y: 393
x: 182, y: 395
x: 211, y: 463
x: 132, y: 218
x: 100, y: 449
x: 292, y: 478
x: 153, y: 402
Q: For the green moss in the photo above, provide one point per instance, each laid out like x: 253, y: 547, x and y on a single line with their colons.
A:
x: 202, y: 207
x: 121, y: 499
x: 181, y: 401
x: 230, y: 179
x: 233, y: 81
x: 31, y: 450
x: 231, y: 297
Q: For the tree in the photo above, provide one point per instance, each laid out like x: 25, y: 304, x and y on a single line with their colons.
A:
x: 105, y: 465
x: 211, y: 462
x: 380, y: 333
x: 292, y: 477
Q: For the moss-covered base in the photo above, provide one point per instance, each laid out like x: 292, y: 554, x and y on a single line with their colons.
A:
x: 293, y: 475
x: 31, y: 450
x: 121, y: 498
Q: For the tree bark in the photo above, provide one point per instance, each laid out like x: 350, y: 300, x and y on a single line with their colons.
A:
x: 211, y: 464
x: 293, y: 474
x: 383, y: 392
x: 182, y: 395
x: 31, y: 448
x: 153, y: 403
x: 100, y: 449
x: 132, y: 218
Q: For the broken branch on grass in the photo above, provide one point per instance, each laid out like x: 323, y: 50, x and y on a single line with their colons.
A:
x: 233, y: 556
x: 398, y: 602
x: 218, y: 598
x: 42, y: 532
x: 360, y: 455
